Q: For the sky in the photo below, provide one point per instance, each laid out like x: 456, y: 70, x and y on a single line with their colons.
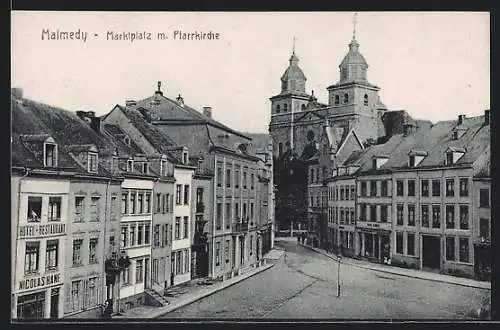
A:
x: 435, y: 65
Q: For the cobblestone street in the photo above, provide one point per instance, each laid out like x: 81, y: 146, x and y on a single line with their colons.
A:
x: 304, y: 285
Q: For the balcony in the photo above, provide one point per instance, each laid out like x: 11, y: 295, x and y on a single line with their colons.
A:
x: 200, y: 207
x: 239, y: 227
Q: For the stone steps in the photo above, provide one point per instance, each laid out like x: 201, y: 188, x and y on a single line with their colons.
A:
x: 156, y: 296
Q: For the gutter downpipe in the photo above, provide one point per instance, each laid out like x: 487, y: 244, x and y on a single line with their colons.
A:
x: 26, y: 173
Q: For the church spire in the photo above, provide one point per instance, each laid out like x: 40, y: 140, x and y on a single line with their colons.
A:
x: 354, y: 65
x: 293, y: 79
x: 354, y: 26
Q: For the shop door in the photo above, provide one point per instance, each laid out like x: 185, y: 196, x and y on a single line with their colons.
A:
x: 31, y: 306
x: 54, y: 303
x: 431, y: 252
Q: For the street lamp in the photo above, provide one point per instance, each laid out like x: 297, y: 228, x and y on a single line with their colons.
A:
x: 113, y: 269
x: 339, y: 257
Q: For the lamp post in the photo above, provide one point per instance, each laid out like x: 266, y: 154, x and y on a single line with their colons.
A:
x: 113, y: 267
x: 339, y: 257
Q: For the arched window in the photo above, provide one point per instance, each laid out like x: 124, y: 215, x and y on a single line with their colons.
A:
x: 346, y: 98
x: 337, y: 100
x: 278, y: 108
x: 303, y: 106
x: 366, y: 100
x: 285, y: 107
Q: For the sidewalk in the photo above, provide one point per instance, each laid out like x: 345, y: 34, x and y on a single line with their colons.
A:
x: 192, y: 292
x: 406, y: 272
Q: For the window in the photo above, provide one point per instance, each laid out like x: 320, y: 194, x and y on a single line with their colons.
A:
x: 399, y: 188
x: 140, y: 203
x: 94, y: 208
x: 125, y: 203
x: 412, y: 161
x: 130, y: 165
x: 112, y: 243
x: 145, y: 168
x: 399, y: 214
x: 155, y: 271
x: 226, y: 251
x: 484, y: 228
x: 236, y: 210
x: 77, y: 252
x: 217, y: 253
x: 311, y: 180
x: 79, y: 208
x: 163, y: 167
x: 34, y: 209
x: 228, y: 178
x: 373, y: 213
x: 165, y: 235
x: 185, y: 157
x: 177, y: 227
x: 50, y: 155
x: 450, y: 248
x: 32, y: 255
x: 463, y: 247
x: 436, y: 216
x: 285, y: 107
x: 156, y: 235
x: 365, y: 99
x: 237, y: 173
x: 126, y: 276
x: 352, y: 192
x: 464, y: 187
x: 76, y: 295
x: 411, y: 187
x: 139, y: 276
x: 148, y: 203
x: 124, y: 237
x: 337, y: 99
x: 341, y: 215
x: 399, y: 243
x: 186, y: 227
x: 363, y: 214
x: 352, y: 216
x: 112, y: 209
x: 244, y: 179
x: 383, y: 213
x: 252, y: 183
x: 384, y: 188
x: 341, y: 193
x: 425, y: 216
x: 317, y: 175
x: 484, y: 198
x: 450, y: 216
x: 140, y: 234
x: 51, y: 255
x: 186, y: 261
x: 132, y: 202
x: 92, y: 292
x: 277, y: 108
x: 373, y: 188
x: 92, y: 162
x: 244, y: 211
x: 363, y: 188
x: 424, y: 188
x: 132, y: 235
x: 410, y: 244
x: 346, y: 98
x: 411, y: 215
x: 436, y: 188
x: 464, y: 217
x: 54, y: 209
x: 218, y: 224
x: 251, y: 244
x: 449, y: 158
x: 228, y: 215
x: 178, y: 194
x: 450, y: 187
x: 93, y: 242
x: 186, y: 194
x: 219, y: 174
x: 147, y: 234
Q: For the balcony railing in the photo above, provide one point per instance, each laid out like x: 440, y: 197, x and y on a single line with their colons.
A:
x: 239, y: 227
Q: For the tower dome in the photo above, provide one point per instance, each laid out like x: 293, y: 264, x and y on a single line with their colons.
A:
x: 293, y: 79
x: 353, y: 67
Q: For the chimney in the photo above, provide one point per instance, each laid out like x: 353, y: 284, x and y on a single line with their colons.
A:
x: 407, y: 129
x: 159, y: 89
x: 17, y: 92
x: 461, y: 119
x: 207, y: 111
x: 130, y: 103
x: 487, y: 117
x: 89, y: 116
x: 95, y: 124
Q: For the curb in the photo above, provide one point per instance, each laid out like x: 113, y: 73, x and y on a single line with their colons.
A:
x: 157, y: 313
x: 396, y: 273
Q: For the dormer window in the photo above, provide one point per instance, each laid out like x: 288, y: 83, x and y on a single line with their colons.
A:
x: 453, y: 154
x: 185, y: 157
x: 346, y: 98
x: 145, y: 168
x: 163, y: 167
x: 378, y: 161
x: 92, y: 162
x: 130, y: 165
x: 50, y: 152
x: 365, y: 101
x: 285, y: 107
x: 416, y: 157
x: 277, y: 108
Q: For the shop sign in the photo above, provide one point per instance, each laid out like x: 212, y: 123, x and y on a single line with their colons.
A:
x: 40, y: 281
x: 41, y: 230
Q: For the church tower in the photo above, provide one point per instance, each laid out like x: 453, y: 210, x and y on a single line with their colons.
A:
x: 286, y: 105
x: 354, y: 98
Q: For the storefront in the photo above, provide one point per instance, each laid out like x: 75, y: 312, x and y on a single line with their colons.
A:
x: 375, y: 245
x: 39, y: 303
x: 482, y: 261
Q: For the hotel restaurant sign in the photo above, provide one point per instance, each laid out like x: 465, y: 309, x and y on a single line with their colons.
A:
x: 41, y: 230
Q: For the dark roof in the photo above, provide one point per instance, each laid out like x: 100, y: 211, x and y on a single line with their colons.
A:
x: 434, y: 141
x: 161, y: 108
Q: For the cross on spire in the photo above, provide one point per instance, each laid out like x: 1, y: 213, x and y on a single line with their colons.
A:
x: 293, y: 49
x: 159, y: 86
x: 354, y: 26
